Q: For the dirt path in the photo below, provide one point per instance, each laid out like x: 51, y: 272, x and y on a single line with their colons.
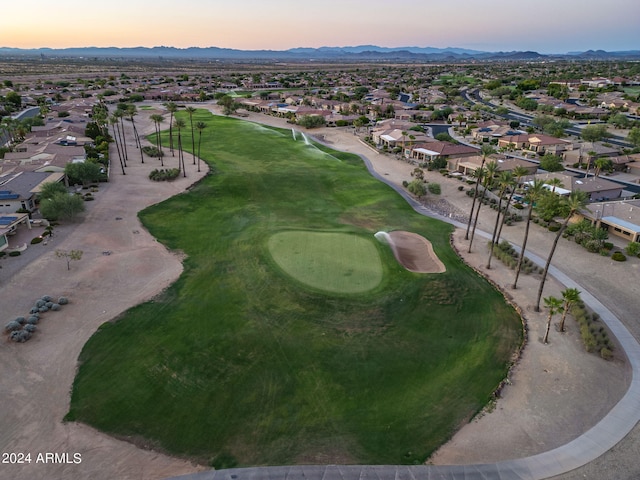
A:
x: 558, y: 391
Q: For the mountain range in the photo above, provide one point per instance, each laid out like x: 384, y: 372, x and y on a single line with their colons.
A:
x: 364, y: 53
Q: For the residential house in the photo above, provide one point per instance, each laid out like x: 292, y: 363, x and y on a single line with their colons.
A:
x: 597, y: 188
x: 433, y: 150
x: 9, y: 224
x: 542, y: 144
x: 468, y: 165
x: 621, y: 218
x: 18, y: 190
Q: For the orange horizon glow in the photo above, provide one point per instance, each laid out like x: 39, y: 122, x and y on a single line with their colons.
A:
x: 284, y: 24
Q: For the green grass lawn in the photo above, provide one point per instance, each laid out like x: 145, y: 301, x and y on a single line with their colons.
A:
x: 328, y: 261
x: 241, y: 361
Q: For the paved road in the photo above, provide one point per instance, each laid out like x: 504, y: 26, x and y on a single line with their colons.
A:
x: 584, y: 449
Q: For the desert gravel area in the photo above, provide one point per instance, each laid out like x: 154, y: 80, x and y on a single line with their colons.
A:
x: 556, y: 391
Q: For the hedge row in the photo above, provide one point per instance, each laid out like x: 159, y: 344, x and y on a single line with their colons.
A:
x: 594, y: 335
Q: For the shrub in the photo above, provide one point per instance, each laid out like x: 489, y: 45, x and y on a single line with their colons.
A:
x: 12, y: 326
x: 460, y: 188
x: 519, y: 206
x: 607, y: 245
x: 164, y: 174
x: 36, y: 240
x: 606, y: 353
x: 14, y: 254
x: 554, y: 227
x: 618, y: 257
x: 20, y: 336
x: 434, y: 188
x: 632, y: 248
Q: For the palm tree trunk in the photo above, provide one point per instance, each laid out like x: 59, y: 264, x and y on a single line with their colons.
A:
x: 504, y: 215
x: 524, y: 246
x: 475, y: 221
x: 199, y: 143
x: 473, y: 203
x: 124, y: 143
x: 546, y: 266
x: 546, y: 333
x: 113, y: 126
x: 565, y: 310
x: 495, y: 232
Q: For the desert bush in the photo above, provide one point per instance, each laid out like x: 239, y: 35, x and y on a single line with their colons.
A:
x: 43, y: 309
x: 63, y: 300
x: 46, y: 298
x: 20, y: 336
x: 32, y: 320
x: 40, y: 303
x: 164, y: 174
x: 49, y: 304
x: 632, y: 248
x: 12, y: 326
x: 606, y: 353
x: 618, y: 257
x: 55, y: 307
x: 30, y: 328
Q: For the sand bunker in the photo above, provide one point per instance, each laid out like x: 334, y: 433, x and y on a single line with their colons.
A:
x: 414, y: 252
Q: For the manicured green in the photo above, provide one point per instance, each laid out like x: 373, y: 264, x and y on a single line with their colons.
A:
x: 328, y: 261
x: 242, y: 362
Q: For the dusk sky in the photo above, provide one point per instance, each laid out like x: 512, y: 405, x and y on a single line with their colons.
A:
x: 545, y: 26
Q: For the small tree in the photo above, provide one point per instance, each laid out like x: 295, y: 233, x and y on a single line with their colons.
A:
x: 69, y: 256
x: 83, y: 172
x: 50, y: 189
x: 61, y: 205
x: 569, y: 296
x: 417, y: 187
x: 554, y: 305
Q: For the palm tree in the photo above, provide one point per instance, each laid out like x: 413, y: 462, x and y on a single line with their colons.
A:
x: 490, y: 171
x: 191, y: 111
x: 554, y: 305
x: 518, y: 173
x: 554, y: 183
x: 574, y: 202
x: 171, y: 108
x: 600, y: 164
x: 591, y: 154
x: 113, y: 121
x: 570, y: 297
x: 505, y: 180
x: 180, y: 124
x: 200, y: 126
x: 157, y: 120
x: 132, y: 111
x: 535, y: 190
x: 119, y: 114
x: 486, y: 150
